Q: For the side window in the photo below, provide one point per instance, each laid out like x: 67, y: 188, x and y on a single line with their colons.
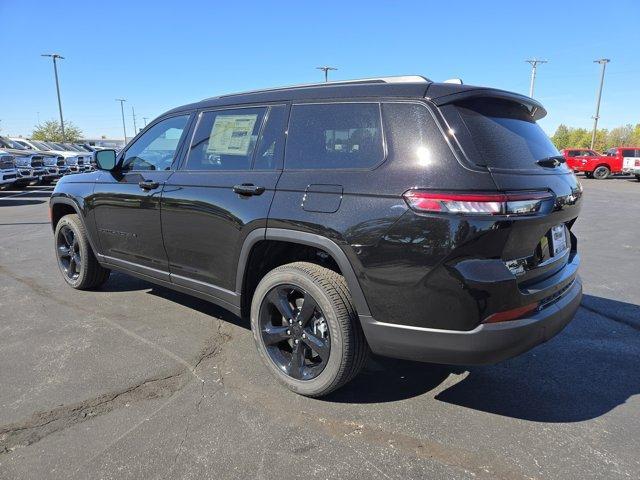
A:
x: 225, y: 139
x: 628, y: 152
x: 574, y: 153
x: 271, y: 144
x: 156, y: 148
x: 338, y: 135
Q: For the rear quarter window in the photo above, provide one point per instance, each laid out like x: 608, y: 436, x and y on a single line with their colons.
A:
x: 503, y: 133
x: 334, y: 136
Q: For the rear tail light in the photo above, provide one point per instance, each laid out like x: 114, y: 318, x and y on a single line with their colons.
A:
x: 637, y: 163
x: 520, y: 203
x: 513, y: 314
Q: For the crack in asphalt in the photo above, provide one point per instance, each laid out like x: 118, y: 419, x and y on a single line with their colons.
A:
x: 42, y: 424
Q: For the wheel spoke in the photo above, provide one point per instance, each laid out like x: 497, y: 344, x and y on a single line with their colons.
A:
x: 272, y: 334
x: 64, y: 251
x: 77, y: 260
x: 296, y: 364
x: 318, y: 345
x: 279, y: 298
x: 308, y: 308
x: 71, y: 270
x: 68, y: 236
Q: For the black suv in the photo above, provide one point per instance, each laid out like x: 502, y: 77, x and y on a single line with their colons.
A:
x: 418, y: 220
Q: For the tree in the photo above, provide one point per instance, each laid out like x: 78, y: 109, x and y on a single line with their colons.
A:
x: 561, y: 137
x: 51, y: 131
x: 621, y: 136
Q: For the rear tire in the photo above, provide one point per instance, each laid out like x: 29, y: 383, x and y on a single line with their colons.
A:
x: 601, y: 172
x: 638, y: 178
x: 76, y: 260
x: 331, y: 305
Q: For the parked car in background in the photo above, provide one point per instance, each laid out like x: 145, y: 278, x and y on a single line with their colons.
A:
x: 8, y: 171
x: 30, y: 163
x: 74, y: 160
x: 630, y: 158
x: 70, y: 158
x: 54, y: 163
x: 591, y: 163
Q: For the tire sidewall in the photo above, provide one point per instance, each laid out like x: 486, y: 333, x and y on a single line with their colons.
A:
x: 82, y: 247
x: 302, y: 280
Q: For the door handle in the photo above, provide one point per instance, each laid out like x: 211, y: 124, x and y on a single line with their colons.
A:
x: 148, y: 185
x: 248, y: 189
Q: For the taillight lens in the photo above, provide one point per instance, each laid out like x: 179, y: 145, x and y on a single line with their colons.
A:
x: 513, y: 314
x: 514, y: 203
x: 637, y: 163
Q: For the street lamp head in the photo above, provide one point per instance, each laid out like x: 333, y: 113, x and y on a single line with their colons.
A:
x: 602, y: 60
x: 52, y: 55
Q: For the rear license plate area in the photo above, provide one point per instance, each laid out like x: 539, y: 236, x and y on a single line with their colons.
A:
x: 558, y: 240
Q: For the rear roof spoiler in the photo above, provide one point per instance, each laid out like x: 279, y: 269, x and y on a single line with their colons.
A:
x: 535, y: 107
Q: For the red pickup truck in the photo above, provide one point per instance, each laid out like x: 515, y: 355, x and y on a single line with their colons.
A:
x: 591, y: 163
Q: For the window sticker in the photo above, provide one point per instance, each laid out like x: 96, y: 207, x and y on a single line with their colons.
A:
x: 231, y: 134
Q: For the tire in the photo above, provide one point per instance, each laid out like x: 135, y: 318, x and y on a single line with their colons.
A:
x: 20, y: 185
x: 588, y: 174
x: 601, y: 172
x: 72, y: 248
x: 348, y: 349
x: 638, y: 178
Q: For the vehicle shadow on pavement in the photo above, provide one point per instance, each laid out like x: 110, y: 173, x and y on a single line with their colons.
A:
x: 589, y: 369
x: 120, y: 282
x: 389, y: 380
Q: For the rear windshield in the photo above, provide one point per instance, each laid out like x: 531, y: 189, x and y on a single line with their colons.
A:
x: 504, y: 134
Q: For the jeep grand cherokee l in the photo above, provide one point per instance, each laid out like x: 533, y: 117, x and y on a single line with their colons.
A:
x: 418, y: 220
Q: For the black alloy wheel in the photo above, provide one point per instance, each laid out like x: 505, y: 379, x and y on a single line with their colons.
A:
x: 295, y: 332
x: 68, y: 250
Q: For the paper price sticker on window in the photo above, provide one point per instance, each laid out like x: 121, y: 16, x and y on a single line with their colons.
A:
x: 231, y: 134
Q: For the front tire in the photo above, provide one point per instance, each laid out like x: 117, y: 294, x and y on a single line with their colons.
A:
x: 306, y: 328
x: 76, y: 260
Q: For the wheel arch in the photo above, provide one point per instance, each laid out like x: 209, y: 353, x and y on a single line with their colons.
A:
x: 61, y: 206
x: 303, y: 239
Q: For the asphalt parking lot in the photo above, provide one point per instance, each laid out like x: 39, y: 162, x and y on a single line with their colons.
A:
x: 136, y: 381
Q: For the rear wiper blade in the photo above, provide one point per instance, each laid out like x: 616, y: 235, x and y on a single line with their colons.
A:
x: 552, y: 161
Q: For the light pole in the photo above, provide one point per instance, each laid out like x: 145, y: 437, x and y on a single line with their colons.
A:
x: 55, y: 56
x: 534, y: 67
x: 326, y: 69
x: 133, y: 114
x: 603, y: 62
x: 145, y: 121
x: 124, y: 127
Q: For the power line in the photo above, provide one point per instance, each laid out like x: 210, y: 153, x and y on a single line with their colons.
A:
x: 326, y: 69
x: 534, y: 67
x: 603, y: 62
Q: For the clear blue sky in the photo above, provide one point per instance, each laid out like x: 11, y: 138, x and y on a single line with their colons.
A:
x: 160, y: 54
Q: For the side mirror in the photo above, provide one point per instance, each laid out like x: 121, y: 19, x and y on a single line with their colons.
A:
x: 106, y: 159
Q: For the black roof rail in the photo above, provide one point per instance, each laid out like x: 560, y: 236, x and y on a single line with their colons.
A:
x: 392, y: 79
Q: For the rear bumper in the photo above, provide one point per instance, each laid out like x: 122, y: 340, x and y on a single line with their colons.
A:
x: 486, y: 344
